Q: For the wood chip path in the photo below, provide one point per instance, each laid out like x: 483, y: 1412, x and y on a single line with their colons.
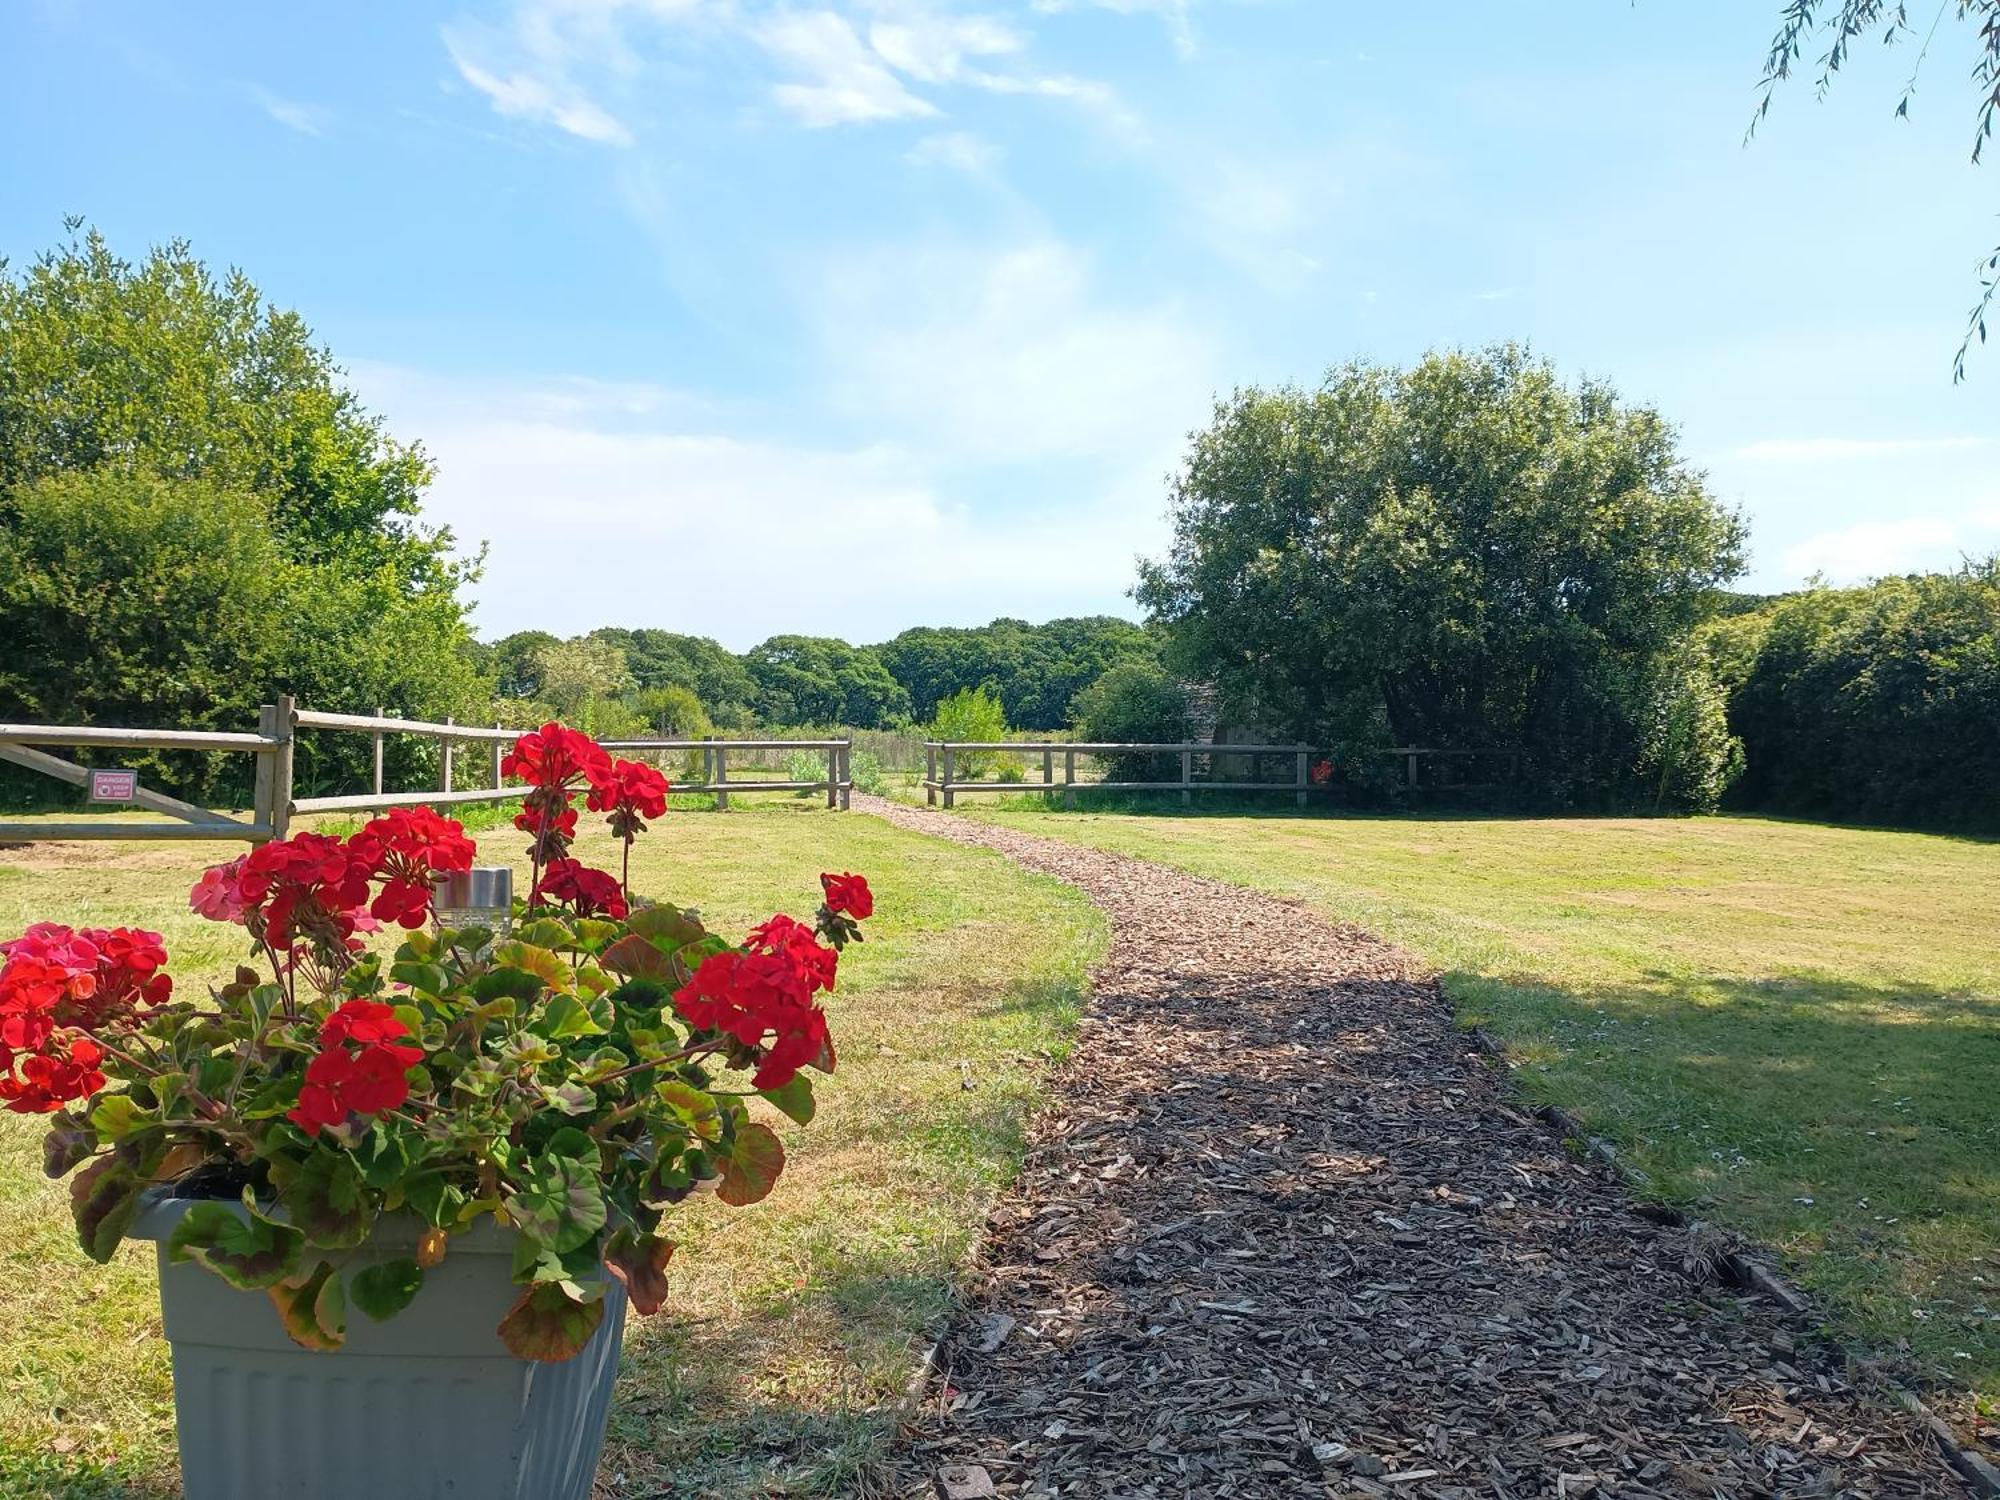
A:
x: 1283, y: 1232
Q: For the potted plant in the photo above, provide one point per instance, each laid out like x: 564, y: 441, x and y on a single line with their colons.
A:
x: 403, y: 1198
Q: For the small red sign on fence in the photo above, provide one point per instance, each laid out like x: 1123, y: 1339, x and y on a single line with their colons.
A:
x: 113, y: 786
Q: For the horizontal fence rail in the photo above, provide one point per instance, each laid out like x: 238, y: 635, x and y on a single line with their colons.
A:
x: 942, y: 762
x: 273, y: 745
x: 838, y: 784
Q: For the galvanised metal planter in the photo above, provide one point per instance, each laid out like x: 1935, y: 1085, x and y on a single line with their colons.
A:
x: 428, y: 1404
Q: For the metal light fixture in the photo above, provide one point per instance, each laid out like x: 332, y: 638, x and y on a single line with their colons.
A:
x: 480, y: 897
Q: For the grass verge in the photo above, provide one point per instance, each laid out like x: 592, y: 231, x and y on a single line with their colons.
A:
x: 792, y: 1322
x: 1790, y: 1027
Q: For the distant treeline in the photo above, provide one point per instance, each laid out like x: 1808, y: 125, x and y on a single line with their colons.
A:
x: 624, y: 680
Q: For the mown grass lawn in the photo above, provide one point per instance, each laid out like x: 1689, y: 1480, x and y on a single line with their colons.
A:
x: 1793, y: 1027
x: 793, y: 1321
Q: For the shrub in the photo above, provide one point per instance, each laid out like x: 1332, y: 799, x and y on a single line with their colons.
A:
x: 970, y: 715
x: 1688, y: 757
x: 1136, y: 703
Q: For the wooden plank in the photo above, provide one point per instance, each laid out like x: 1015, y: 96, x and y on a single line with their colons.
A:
x: 311, y: 719
x: 497, y: 753
x: 722, y: 744
x: 720, y: 750
x: 369, y: 801
x: 948, y: 754
x: 444, y: 756
x: 1301, y: 779
x: 380, y: 713
x: 75, y: 775
x: 1187, y: 777
x: 129, y: 739
x: 1125, y: 786
x: 42, y: 833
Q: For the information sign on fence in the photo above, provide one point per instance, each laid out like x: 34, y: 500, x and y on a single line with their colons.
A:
x: 114, y: 786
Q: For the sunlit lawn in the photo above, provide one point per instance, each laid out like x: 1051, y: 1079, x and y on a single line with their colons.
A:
x: 1793, y: 1027
x: 792, y: 1321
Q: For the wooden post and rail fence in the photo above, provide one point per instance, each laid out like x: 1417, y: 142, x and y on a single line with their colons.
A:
x: 274, y: 802
x: 942, y: 760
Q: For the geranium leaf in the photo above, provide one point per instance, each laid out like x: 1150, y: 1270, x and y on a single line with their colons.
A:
x: 565, y: 1016
x: 433, y: 1198
x: 68, y: 1142
x: 505, y: 984
x: 667, y: 927
x: 795, y: 1099
x: 103, y: 1199
x: 540, y: 962
x: 695, y: 1109
x: 246, y: 1250
x: 382, y: 1156
x: 640, y: 1261
x: 381, y: 1291
x: 562, y: 1204
x: 751, y: 1168
x: 544, y: 932
x: 115, y: 1116
x: 326, y: 1197
x: 571, y: 1098
x: 547, y: 1324
x: 313, y: 1308
x: 636, y: 958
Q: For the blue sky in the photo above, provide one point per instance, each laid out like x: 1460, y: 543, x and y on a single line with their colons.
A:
x: 840, y: 316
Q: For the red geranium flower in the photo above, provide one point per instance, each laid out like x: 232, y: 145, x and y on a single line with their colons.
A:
x: 763, y: 997
x: 555, y: 756
x: 218, y: 895
x: 631, y: 792
x: 362, y: 1071
x: 409, y: 847
x: 587, y: 892
x: 848, y: 895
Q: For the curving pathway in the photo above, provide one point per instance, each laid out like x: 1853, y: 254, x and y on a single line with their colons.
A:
x: 1282, y: 1233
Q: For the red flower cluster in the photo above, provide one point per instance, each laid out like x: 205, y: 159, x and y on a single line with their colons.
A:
x: 555, y: 757
x: 587, y: 892
x: 363, y: 1069
x: 307, y: 887
x: 848, y: 895
x: 57, y: 985
x: 554, y: 761
x: 408, y: 848
x: 766, y: 989
x: 631, y: 792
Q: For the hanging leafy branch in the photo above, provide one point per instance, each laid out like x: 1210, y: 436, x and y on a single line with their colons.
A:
x: 1843, y: 22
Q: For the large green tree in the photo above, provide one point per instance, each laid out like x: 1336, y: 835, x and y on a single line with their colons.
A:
x: 1467, y: 554
x: 162, y: 367
x: 170, y: 428
x: 663, y: 658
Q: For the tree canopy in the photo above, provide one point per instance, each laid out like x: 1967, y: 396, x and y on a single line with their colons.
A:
x: 1036, y: 671
x: 808, y: 679
x: 1465, y: 554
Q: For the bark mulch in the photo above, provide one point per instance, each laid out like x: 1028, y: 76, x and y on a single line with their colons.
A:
x: 1283, y: 1232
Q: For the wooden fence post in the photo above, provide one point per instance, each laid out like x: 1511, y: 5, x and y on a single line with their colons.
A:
x: 1069, y: 778
x: 380, y: 713
x: 832, y: 777
x: 444, y: 756
x: 1412, y: 771
x: 930, y: 776
x: 274, y: 769
x: 947, y: 778
x: 498, y: 756
x: 1300, y: 796
x: 1187, y: 777
x: 846, y: 775
x: 721, y: 778
x: 1048, y: 766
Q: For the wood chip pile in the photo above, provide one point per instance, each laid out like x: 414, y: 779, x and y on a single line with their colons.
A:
x: 1284, y: 1233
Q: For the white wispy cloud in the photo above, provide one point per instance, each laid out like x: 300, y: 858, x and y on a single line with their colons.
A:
x: 1824, y: 449
x: 540, y: 97
x: 635, y: 505
x: 1005, y: 353
x: 837, y: 78
x: 307, y: 119
x: 1873, y: 549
